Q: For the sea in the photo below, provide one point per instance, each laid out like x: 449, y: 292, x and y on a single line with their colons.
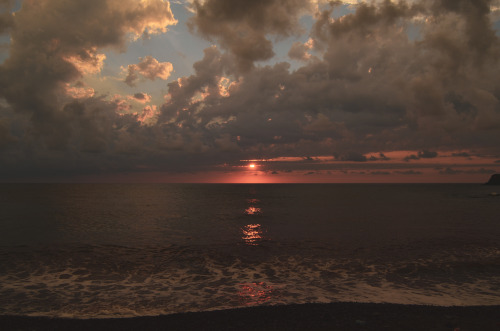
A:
x: 122, y: 250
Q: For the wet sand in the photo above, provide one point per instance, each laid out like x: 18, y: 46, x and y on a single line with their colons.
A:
x: 333, y: 316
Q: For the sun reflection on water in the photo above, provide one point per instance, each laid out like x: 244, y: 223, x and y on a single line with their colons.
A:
x: 255, y: 293
x: 252, y: 234
x: 252, y: 210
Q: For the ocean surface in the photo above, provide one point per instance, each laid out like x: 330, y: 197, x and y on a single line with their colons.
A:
x: 117, y: 250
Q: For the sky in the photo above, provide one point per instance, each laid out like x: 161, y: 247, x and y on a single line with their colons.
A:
x: 306, y: 91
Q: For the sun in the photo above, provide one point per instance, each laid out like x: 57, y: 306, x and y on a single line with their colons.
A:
x: 252, y: 166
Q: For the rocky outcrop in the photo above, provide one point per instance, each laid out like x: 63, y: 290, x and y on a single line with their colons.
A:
x: 494, y: 180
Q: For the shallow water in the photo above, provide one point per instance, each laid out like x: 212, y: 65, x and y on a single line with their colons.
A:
x: 95, y: 250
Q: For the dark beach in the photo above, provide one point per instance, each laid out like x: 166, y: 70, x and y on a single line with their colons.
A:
x: 333, y: 316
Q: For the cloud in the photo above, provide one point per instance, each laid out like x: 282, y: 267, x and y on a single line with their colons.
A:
x: 383, y: 157
x: 56, y: 42
x: 79, y: 91
x: 242, y: 27
x: 409, y: 172
x: 182, y: 93
x: 5, y: 136
x: 370, y: 87
x: 374, y: 89
x: 351, y: 156
x: 427, y: 154
x: 6, y: 17
x: 462, y: 154
x: 380, y: 173
x: 451, y: 171
x: 140, y: 97
x: 411, y: 157
x: 299, y: 51
x: 365, y: 19
x: 87, y: 62
x: 148, y: 113
x: 149, y: 68
x: 372, y: 44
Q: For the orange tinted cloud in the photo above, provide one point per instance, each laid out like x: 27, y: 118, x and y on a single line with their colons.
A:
x: 149, y: 68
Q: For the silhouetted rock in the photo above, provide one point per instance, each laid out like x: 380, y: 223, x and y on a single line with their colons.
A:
x: 494, y: 180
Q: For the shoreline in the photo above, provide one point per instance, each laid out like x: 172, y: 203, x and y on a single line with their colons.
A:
x: 314, y: 316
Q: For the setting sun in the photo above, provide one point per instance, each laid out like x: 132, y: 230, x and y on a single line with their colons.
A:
x: 252, y: 166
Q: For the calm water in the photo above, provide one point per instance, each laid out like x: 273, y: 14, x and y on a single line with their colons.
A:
x: 123, y: 250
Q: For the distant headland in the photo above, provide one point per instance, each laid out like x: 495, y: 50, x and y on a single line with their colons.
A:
x: 494, y: 180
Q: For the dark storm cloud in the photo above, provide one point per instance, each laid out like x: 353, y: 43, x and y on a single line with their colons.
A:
x: 427, y: 154
x: 374, y: 89
x: 451, y: 171
x: 409, y: 172
x: 479, y: 34
x: 383, y: 157
x: 351, y: 156
x: 407, y: 83
x: 366, y: 18
x: 206, y: 77
x: 463, y: 154
x: 290, y: 112
x: 242, y: 27
x: 421, y: 155
x: 411, y: 157
x: 6, y: 137
x: 141, y: 96
x: 380, y: 173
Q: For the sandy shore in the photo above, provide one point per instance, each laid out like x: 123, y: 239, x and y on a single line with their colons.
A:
x: 334, y: 316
